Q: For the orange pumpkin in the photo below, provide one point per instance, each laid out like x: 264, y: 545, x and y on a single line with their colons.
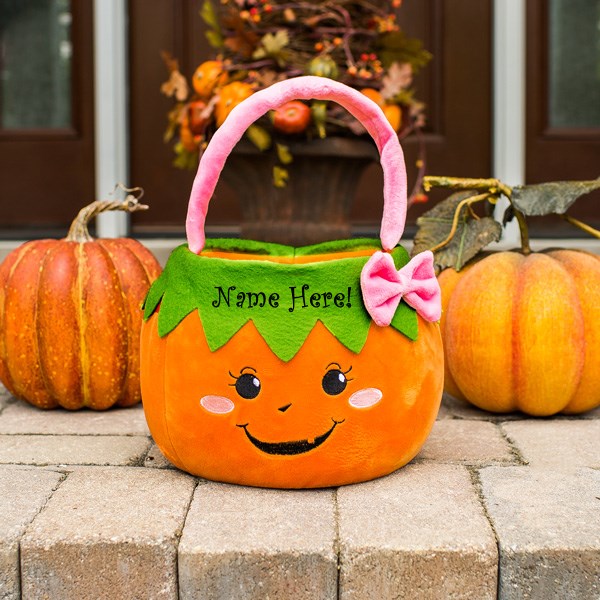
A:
x: 70, y: 318
x: 207, y: 77
x: 229, y: 97
x: 329, y: 416
x: 521, y: 332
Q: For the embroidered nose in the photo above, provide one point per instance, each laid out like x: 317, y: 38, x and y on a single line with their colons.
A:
x: 284, y: 408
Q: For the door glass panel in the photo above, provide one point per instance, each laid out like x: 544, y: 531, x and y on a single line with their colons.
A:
x: 35, y: 64
x: 574, y: 63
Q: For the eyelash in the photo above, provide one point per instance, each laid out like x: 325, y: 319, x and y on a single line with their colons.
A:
x: 340, y: 368
x: 236, y: 377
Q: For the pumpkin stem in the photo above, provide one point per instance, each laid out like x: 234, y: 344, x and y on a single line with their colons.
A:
x: 78, y: 232
x: 523, y: 231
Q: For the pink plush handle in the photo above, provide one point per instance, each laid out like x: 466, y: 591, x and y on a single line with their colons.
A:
x: 304, y: 88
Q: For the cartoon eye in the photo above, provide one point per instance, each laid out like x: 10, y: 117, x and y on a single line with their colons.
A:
x: 247, y: 385
x: 335, y: 380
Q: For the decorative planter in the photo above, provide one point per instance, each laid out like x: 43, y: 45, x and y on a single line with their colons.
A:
x: 315, y: 205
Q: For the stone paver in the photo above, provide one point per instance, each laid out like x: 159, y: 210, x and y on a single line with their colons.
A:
x: 418, y: 533
x: 253, y: 544
x: 21, y: 417
x: 557, y: 443
x: 466, y: 442
x: 548, y: 528
x: 107, y: 533
x: 23, y: 492
x: 72, y: 449
x: 155, y: 459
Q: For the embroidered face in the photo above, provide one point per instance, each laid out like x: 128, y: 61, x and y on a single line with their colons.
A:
x: 327, y: 417
x: 248, y: 387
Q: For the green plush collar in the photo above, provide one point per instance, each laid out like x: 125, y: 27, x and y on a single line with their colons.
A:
x: 283, y: 300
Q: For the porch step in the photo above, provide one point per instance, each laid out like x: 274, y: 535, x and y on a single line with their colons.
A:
x: 493, y: 507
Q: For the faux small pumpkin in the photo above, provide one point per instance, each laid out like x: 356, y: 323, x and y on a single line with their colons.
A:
x: 70, y: 317
x: 520, y: 328
x: 522, y: 332
x: 275, y: 366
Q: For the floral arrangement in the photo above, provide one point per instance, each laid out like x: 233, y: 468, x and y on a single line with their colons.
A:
x: 259, y: 42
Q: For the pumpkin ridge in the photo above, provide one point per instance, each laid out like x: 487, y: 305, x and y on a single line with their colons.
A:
x: 39, y: 331
x: 563, y: 257
x: 129, y: 328
x: 112, y: 297
x: 46, y: 400
x: 7, y: 378
x: 514, y: 332
x: 84, y: 358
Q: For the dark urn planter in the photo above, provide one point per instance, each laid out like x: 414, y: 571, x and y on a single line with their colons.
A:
x: 315, y: 205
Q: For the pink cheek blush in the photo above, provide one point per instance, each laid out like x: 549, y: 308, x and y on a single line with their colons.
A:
x: 365, y: 398
x: 218, y: 405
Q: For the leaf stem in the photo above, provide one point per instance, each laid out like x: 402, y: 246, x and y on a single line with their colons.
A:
x: 466, y: 202
x: 583, y: 226
x: 493, y: 186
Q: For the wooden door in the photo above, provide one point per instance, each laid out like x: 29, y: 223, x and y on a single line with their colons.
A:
x: 46, y: 115
x: 456, y: 87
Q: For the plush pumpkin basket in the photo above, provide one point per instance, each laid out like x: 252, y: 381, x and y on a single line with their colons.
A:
x: 275, y: 366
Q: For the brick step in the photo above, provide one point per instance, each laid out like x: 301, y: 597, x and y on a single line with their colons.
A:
x: 492, y: 507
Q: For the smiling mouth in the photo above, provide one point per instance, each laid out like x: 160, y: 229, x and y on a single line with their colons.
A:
x: 287, y: 448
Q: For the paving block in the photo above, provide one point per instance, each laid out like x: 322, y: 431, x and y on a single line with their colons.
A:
x: 155, y: 459
x: 466, y: 442
x: 557, y: 443
x: 72, y: 449
x: 418, y: 533
x: 107, y: 533
x: 23, y: 492
x: 253, y: 544
x: 548, y: 528
x: 24, y: 418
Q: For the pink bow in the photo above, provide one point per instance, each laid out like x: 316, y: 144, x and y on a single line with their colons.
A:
x: 383, y: 287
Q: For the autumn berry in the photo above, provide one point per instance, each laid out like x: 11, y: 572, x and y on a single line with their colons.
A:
x: 420, y: 198
x: 352, y: 70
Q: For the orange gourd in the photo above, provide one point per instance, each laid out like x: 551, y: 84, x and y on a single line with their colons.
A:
x: 293, y: 433
x: 70, y: 317
x: 521, y: 332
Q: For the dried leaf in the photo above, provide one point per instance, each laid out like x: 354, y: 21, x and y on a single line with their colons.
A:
x: 242, y: 41
x: 284, y: 155
x: 471, y: 235
x: 398, y: 77
x: 550, y: 198
x: 176, y: 86
x: 209, y: 15
x: 396, y: 47
x: 509, y: 215
x: 280, y: 176
x: 319, y: 116
x: 272, y: 45
x: 214, y: 39
x: 259, y: 136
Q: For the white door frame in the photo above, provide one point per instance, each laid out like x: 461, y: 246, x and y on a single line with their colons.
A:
x: 110, y: 101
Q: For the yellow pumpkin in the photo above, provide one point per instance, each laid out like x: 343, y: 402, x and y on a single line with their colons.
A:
x: 523, y: 332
